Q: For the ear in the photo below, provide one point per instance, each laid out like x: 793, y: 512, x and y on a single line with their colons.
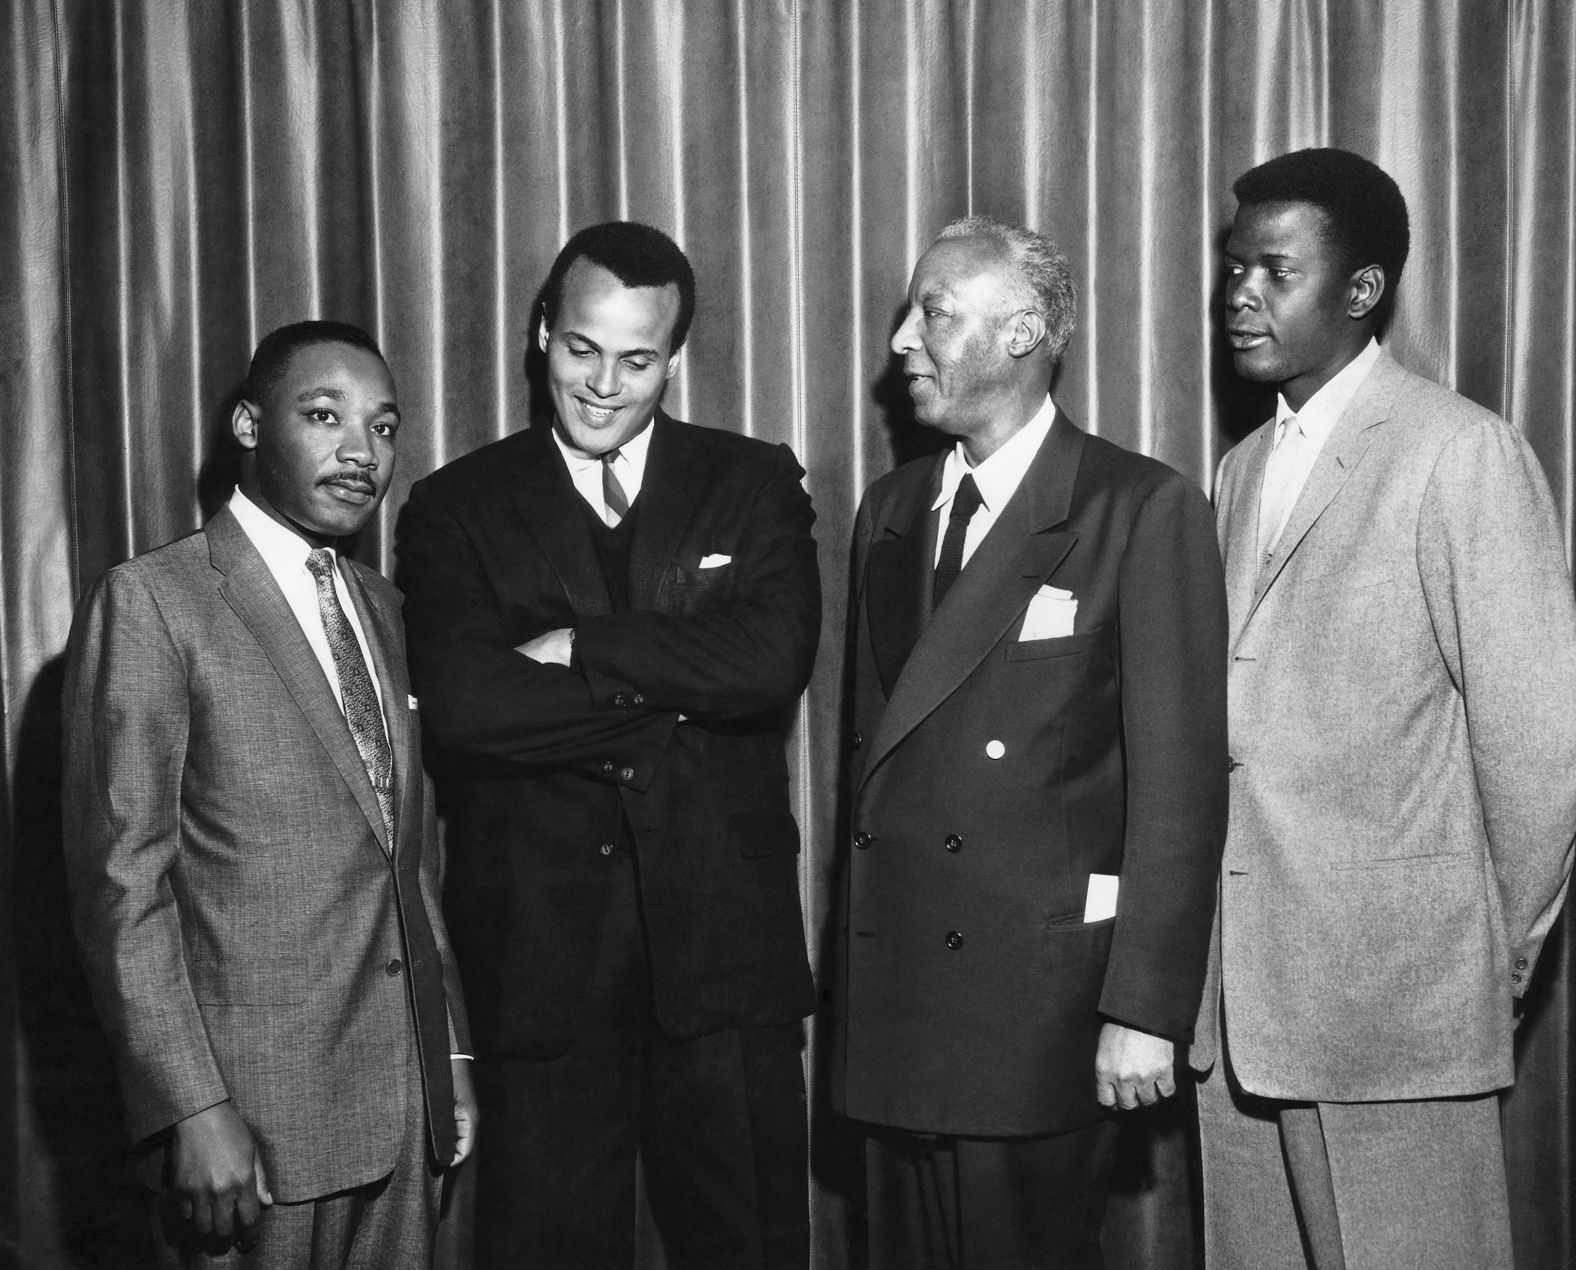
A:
x: 243, y: 423
x: 1367, y: 288
x: 541, y: 333
x: 673, y: 365
x: 1025, y: 332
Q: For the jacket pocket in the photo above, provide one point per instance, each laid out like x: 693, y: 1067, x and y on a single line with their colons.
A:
x: 1060, y: 646
x: 760, y: 833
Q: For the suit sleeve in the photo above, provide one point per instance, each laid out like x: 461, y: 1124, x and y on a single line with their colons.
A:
x: 432, y: 871
x: 1499, y: 595
x: 742, y: 656
x: 481, y: 697
x: 1172, y: 639
x: 126, y: 726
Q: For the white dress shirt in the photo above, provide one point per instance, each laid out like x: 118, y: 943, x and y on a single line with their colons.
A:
x: 1313, y: 424
x: 997, y: 478
x: 285, y: 553
x: 585, y: 470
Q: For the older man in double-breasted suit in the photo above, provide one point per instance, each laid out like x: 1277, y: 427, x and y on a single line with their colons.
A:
x: 1403, y: 734
x: 252, y: 851
x: 1038, y: 782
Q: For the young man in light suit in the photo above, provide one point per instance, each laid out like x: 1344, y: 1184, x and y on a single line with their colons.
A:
x: 1403, y: 738
x: 253, y: 856
x: 1039, y: 775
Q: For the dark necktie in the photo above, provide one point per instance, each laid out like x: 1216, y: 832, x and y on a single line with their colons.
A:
x: 965, y: 502
x: 612, y: 492
x: 355, y: 686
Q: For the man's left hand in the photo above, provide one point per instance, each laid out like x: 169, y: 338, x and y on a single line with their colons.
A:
x: 552, y: 649
x: 1132, y: 1068
x: 465, y: 1114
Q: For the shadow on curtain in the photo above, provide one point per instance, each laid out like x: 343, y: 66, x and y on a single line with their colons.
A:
x: 180, y: 178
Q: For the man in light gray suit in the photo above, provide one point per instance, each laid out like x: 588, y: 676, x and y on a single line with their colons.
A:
x: 1402, y: 718
x: 252, y: 851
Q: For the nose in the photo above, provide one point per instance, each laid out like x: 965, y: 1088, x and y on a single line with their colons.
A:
x: 906, y: 339
x: 1241, y: 293
x: 604, y: 380
x: 356, y: 446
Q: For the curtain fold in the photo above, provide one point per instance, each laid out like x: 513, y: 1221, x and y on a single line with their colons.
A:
x: 183, y: 177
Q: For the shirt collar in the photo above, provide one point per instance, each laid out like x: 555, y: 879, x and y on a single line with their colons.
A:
x: 631, y: 461
x: 1320, y: 411
x: 999, y: 476
x: 283, y: 550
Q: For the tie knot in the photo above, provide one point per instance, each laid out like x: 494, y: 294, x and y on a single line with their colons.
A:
x: 610, y: 457
x: 966, y: 501
x: 320, y: 563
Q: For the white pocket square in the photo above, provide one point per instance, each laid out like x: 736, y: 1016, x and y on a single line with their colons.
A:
x: 410, y: 701
x: 1051, y: 614
x: 715, y: 562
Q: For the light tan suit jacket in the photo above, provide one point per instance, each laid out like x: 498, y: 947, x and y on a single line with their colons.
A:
x: 1402, y: 713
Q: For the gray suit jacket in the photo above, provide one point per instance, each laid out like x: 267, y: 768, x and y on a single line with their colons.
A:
x: 247, y: 929
x: 1402, y: 700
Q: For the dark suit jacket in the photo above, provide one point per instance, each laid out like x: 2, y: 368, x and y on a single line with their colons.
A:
x: 495, y: 549
x: 245, y: 930
x: 1112, y: 759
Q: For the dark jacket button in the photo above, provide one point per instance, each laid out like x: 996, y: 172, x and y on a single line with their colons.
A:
x: 954, y: 843
x: 1521, y: 963
x: 394, y: 966
x: 858, y: 738
x: 608, y: 766
x: 627, y: 774
x: 862, y: 840
x: 619, y: 699
x: 954, y: 940
x: 606, y: 848
x: 1232, y: 764
x: 1516, y: 977
x: 640, y: 699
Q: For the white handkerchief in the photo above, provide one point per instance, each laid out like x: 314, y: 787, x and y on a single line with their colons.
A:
x: 1101, y: 902
x: 411, y: 700
x: 715, y: 562
x: 1050, y: 616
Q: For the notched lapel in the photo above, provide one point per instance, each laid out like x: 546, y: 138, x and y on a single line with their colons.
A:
x: 1240, y: 541
x: 387, y: 645
x: 678, y: 471
x: 253, y: 595
x: 898, y: 580
x: 555, y: 514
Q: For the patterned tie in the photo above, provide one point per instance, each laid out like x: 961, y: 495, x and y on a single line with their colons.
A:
x: 612, y: 492
x: 965, y: 502
x: 355, y: 686
x: 1280, y: 486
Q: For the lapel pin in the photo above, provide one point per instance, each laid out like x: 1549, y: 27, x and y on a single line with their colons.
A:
x: 994, y: 749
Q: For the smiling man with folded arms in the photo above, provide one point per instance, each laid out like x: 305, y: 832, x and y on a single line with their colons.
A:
x: 1402, y: 701
x: 611, y: 619
x: 253, y: 856
x: 1039, y: 769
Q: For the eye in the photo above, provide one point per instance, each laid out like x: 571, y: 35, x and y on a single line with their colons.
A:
x: 576, y: 350
x: 933, y: 314
x: 384, y: 428
x: 1281, y: 274
x: 322, y: 414
x: 1233, y: 270
x: 637, y: 363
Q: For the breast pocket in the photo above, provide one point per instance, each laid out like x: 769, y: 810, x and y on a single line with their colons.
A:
x: 1061, y: 646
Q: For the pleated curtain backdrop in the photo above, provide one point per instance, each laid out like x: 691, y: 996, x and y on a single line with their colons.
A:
x: 181, y: 177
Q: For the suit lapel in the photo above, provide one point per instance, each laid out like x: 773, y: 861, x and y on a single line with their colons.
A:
x: 899, y: 575
x: 1239, y: 536
x: 1022, y: 550
x: 251, y: 592
x: 677, y: 475
x: 1338, y: 459
x: 553, y: 511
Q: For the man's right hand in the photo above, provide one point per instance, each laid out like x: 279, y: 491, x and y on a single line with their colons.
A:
x: 216, y: 1172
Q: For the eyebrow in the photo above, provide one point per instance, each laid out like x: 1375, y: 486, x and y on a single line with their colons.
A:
x: 628, y: 352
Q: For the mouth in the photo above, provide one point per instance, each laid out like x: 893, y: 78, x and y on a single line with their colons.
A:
x: 351, y: 488
x: 917, y: 382
x: 1244, y: 338
x: 594, y: 414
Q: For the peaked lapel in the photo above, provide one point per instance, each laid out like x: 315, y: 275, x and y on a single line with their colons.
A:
x: 1023, y: 548
x: 1343, y: 450
x: 553, y: 511
x: 252, y: 593
x: 678, y: 472
x: 387, y: 646
x: 900, y: 575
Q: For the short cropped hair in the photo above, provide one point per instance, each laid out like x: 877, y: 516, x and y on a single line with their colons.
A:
x: 1043, y: 275
x: 1364, y: 209
x: 275, y: 350
x: 638, y: 256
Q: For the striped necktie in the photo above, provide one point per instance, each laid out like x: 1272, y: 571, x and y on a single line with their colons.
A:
x: 612, y: 492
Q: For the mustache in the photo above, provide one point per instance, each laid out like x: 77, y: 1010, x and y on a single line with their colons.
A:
x: 354, y: 479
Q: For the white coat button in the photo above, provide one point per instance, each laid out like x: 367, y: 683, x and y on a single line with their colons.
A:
x: 994, y: 749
